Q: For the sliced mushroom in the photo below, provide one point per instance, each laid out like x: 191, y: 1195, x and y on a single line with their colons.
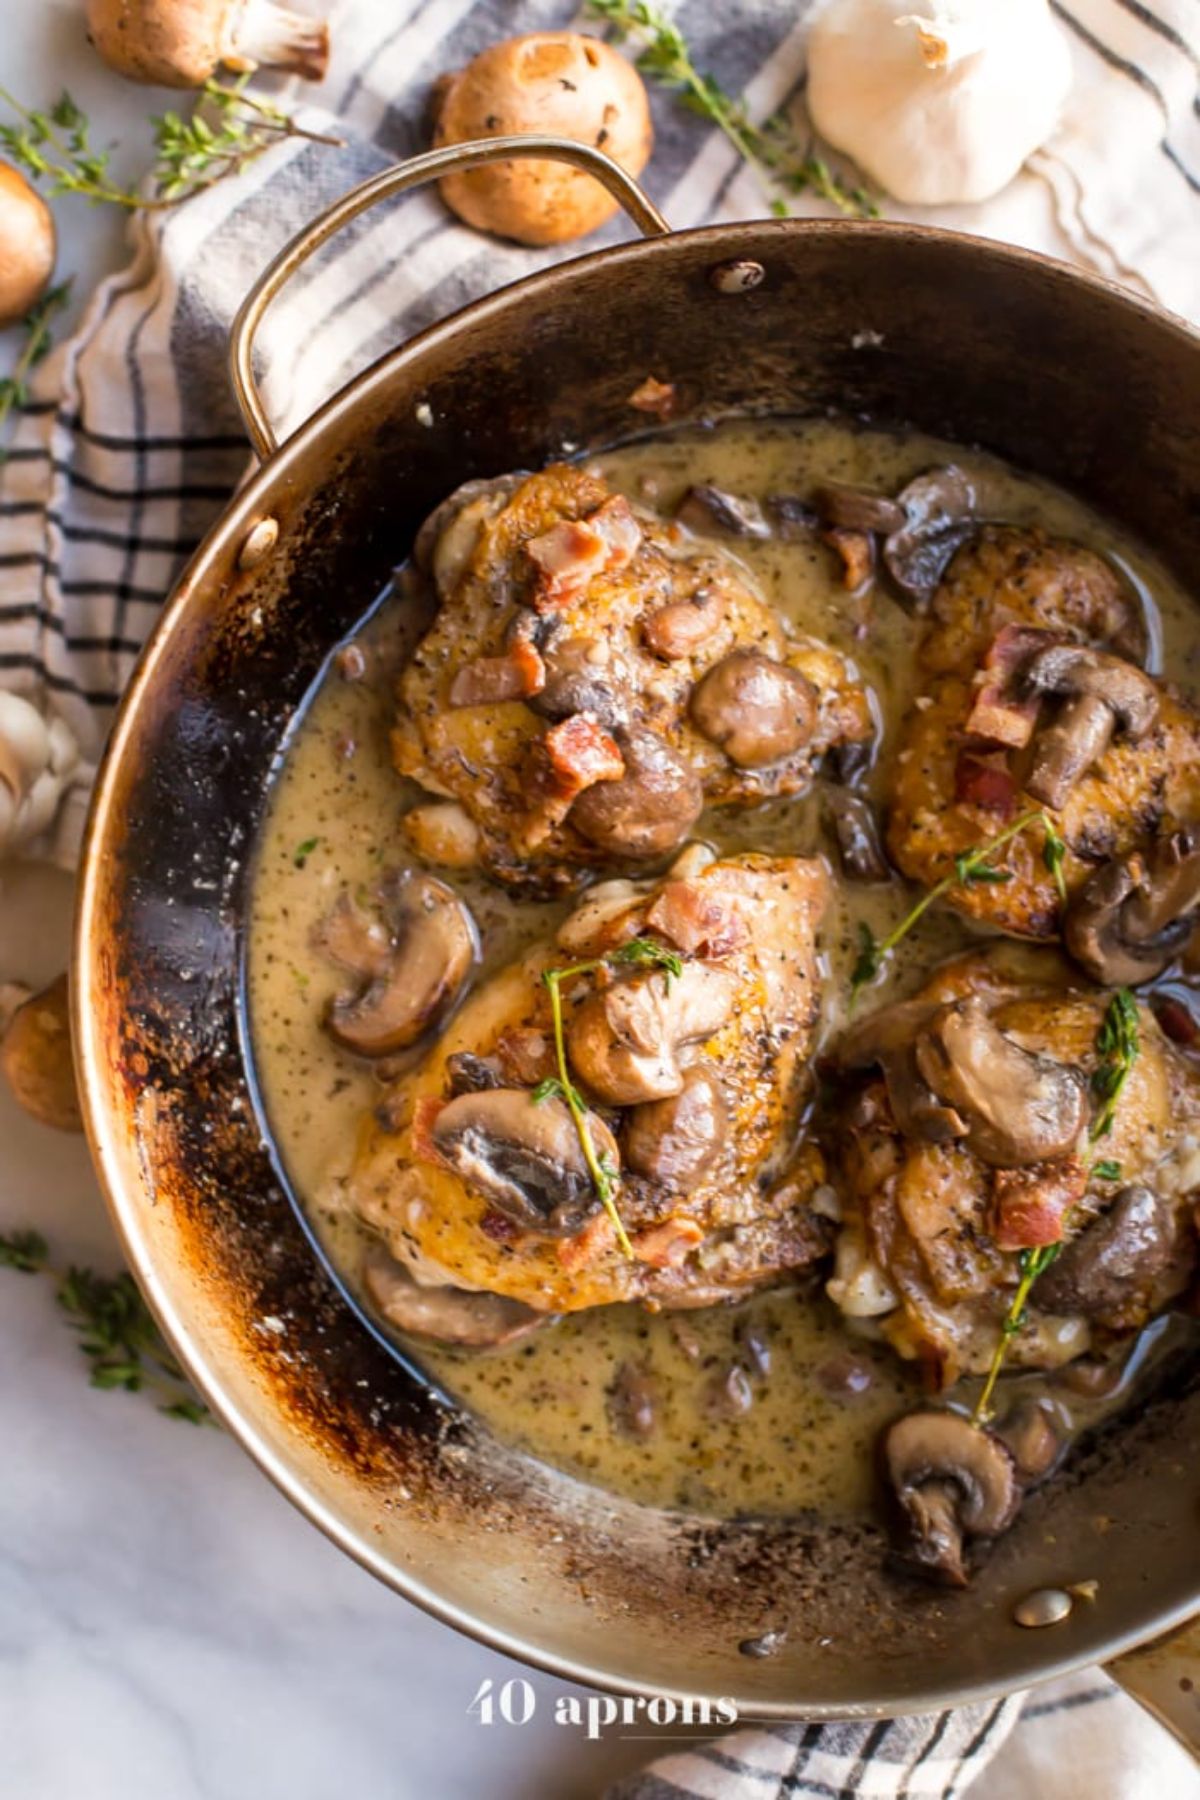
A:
x: 858, y: 509
x: 571, y: 691
x: 857, y: 833
x: 706, y: 509
x: 758, y: 710
x: 1019, y: 1107
x: 1102, y: 694
x: 470, y: 1074
x: 432, y: 944
x: 952, y: 1480
x: 624, y: 1039
x: 1119, y: 1260
x: 672, y: 1141
x: 445, y: 541
x: 449, y: 1315
x: 939, y: 509
x: 650, y: 809
x: 1135, y: 914
x: 888, y: 1039
x: 684, y: 626
x: 524, y: 1156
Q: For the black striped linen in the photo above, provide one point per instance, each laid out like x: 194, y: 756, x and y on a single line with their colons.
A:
x: 132, y: 445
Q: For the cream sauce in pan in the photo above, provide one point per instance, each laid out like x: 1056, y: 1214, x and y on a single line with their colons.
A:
x: 770, y: 1406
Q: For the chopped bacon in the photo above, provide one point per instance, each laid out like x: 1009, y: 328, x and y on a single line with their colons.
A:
x: 491, y: 679
x: 572, y: 553
x: 983, y: 783
x: 667, y: 1246
x: 527, y: 1055
x: 425, y: 1111
x: 654, y: 396
x: 857, y: 552
x: 680, y: 628
x: 697, y: 920
x: 581, y: 753
x: 596, y: 1241
x: 999, y: 715
x: 1030, y: 1205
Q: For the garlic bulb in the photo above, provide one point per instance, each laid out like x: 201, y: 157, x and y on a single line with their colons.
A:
x: 37, y: 758
x: 943, y: 104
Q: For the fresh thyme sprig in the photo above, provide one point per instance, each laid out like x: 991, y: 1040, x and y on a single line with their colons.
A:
x: 116, y: 1329
x: 972, y: 868
x: 771, y: 149
x: 640, y: 951
x: 228, y: 129
x: 1118, y: 1045
x: 14, y: 387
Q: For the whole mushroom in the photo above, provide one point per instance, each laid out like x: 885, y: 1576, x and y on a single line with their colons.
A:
x: 625, y: 1039
x: 1102, y: 694
x: 36, y: 1058
x: 758, y: 710
x: 182, y: 43
x: 559, y: 83
x: 650, y: 808
x: 951, y: 1480
x: 27, y: 245
x: 1134, y: 915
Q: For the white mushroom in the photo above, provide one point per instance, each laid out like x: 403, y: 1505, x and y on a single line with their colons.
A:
x: 182, y: 43
x: 27, y: 245
x: 38, y: 757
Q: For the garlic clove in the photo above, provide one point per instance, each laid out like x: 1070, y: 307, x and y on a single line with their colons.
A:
x: 939, y: 106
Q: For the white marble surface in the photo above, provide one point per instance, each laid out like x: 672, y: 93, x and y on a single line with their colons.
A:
x: 169, y: 1628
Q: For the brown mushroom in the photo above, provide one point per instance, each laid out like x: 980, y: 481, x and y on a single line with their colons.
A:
x: 559, y: 83
x: 857, y: 834
x: 673, y: 1141
x: 887, y: 1038
x: 443, y: 832
x: 650, y: 809
x: 624, y: 1039
x: 27, y: 245
x: 758, y: 710
x: 524, y: 1157
x: 443, y: 545
x: 939, y: 515
x: 449, y: 1315
x: 572, y: 690
x: 1102, y: 694
x: 1136, y: 913
x: 1018, y: 1107
x: 430, y: 943
x: 36, y: 1058
x: 182, y: 43
x: 1130, y: 1257
x: 706, y: 509
x: 951, y: 1480
x: 857, y: 509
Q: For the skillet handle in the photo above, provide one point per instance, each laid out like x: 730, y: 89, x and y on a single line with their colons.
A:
x: 1164, y: 1677
x: 415, y: 173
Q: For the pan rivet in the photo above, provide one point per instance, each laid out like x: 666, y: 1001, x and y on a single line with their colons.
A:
x: 1045, y: 1606
x: 736, y: 277
x: 260, y: 540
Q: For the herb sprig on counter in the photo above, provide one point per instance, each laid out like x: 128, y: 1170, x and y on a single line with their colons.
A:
x: 972, y: 868
x: 771, y: 149
x: 116, y: 1330
x: 14, y: 387
x: 641, y: 952
x: 228, y: 129
x: 1118, y: 1045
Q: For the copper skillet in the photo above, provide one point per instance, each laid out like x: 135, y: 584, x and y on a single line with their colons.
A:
x: 1063, y: 374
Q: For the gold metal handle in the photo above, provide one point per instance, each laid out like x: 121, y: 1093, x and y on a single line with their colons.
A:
x: 415, y: 173
x: 1165, y: 1677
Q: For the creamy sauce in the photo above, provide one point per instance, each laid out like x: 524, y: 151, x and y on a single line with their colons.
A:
x: 795, y: 1437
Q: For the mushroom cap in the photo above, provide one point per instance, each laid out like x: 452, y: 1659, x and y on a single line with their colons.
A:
x: 557, y: 82
x: 524, y: 1156
x: 431, y: 945
x: 37, y: 1062
x: 1019, y: 1107
x: 939, y: 513
x: 650, y: 808
x: 951, y: 1479
x: 1135, y: 913
x: 448, y: 1315
x: 27, y: 245
x: 672, y: 1141
x: 624, y: 1039
x: 758, y: 710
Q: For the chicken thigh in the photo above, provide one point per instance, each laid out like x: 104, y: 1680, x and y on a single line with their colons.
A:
x: 593, y: 678
x: 687, y: 1008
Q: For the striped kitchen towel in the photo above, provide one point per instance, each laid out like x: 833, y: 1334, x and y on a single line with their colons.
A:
x: 131, y: 446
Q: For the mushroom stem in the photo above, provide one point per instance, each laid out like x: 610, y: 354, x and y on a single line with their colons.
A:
x: 273, y: 37
x: 1067, y: 749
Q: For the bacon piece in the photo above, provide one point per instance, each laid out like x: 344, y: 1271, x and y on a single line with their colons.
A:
x: 999, y: 715
x: 655, y: 397
x: 857, y: 552
x: 591, y: 1245
x: 1030, y: 1205
x: 668, y: 1245
x: 572, y: 553
x: 697, y: 920
x: 526, y: 1055
x: 983, y: 783
x: 425, y: 1112
x: 488, y: 680
x: 683, y: 626
x: 581, y: 753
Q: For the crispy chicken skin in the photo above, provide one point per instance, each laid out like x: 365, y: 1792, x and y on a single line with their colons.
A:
x: 953, y: 787
x: 566, y: 660
x: 722, y: 1048
x: 920, y: 1247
